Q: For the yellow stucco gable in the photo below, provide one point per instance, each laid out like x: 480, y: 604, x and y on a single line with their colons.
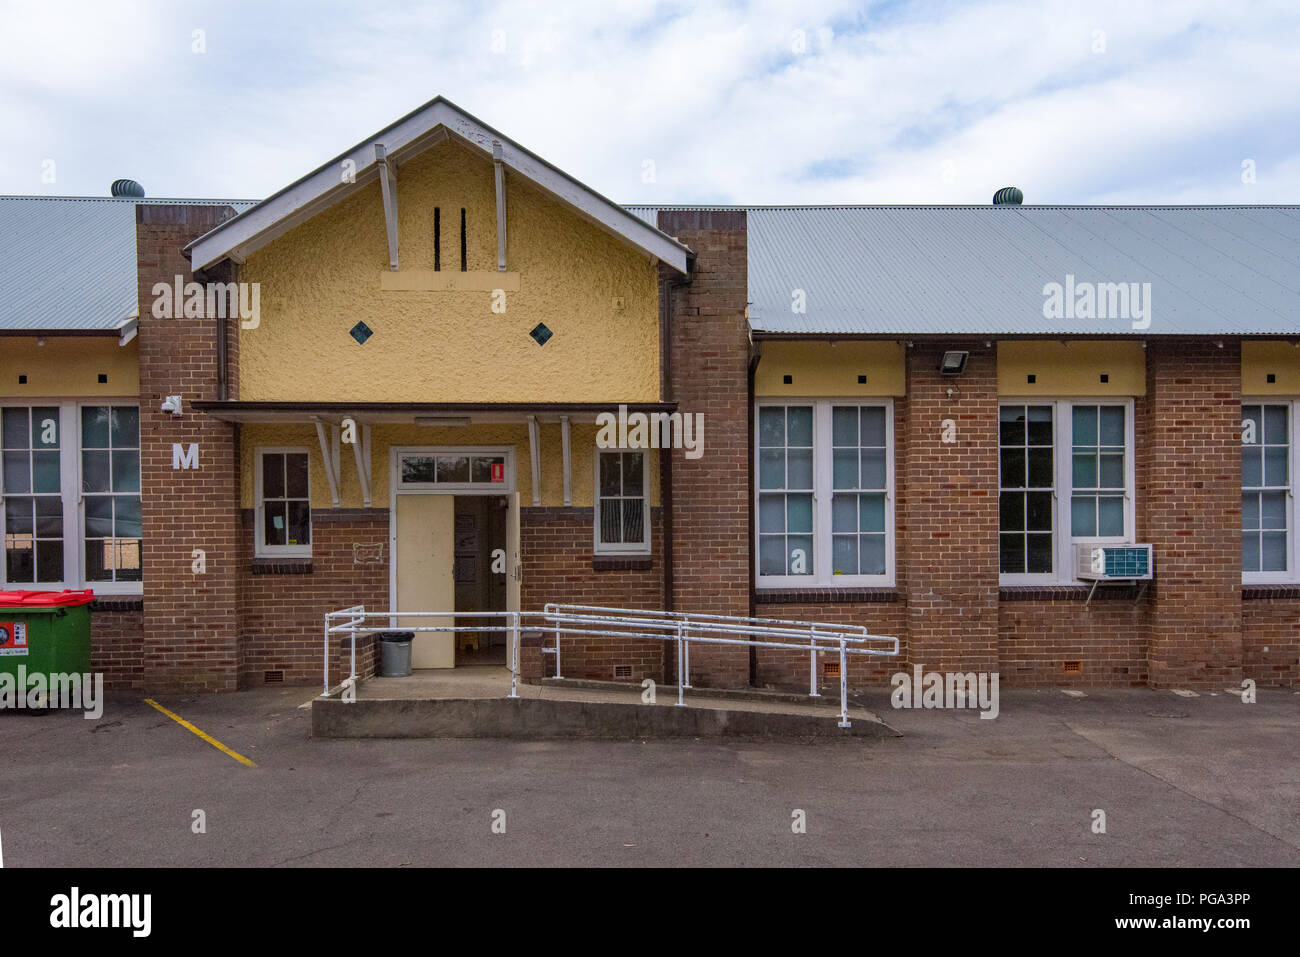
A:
x: 435, y: 335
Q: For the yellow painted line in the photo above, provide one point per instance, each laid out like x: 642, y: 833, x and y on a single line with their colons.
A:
x: 206, y: 737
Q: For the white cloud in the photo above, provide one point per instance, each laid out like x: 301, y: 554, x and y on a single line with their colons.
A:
x: 880, y: 101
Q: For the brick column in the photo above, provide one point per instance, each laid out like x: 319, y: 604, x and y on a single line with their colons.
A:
x: 948, y: 511
x: 1190, y: 510
x: 709, y: 349
x: 190, y: 621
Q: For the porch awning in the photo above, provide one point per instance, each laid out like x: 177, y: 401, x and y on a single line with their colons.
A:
x: 431, y: 414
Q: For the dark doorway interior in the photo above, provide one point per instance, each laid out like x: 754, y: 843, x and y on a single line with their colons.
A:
x: 480, y: 542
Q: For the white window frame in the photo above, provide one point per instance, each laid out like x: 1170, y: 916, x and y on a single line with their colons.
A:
x: 1292, y: 574
x: 1063, y: 541
x: 74, y: 514
x: 620, y: 548
x: 823, y: 491
x: 505, y: 487
x: 260, y: 549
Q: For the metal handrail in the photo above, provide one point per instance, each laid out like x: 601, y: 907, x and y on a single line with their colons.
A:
x: 739, y: 624
x: 665, y: 626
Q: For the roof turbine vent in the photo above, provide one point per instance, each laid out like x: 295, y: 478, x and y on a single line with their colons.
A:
x: 126, y: 187
x: 1008, y: 196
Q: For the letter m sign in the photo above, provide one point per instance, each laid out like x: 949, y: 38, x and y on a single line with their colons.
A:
x: 183, y: 458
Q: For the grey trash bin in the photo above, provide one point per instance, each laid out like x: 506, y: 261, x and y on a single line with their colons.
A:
x: 395, y: 653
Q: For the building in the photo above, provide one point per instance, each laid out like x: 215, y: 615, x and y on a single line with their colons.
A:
x: 383, y: 385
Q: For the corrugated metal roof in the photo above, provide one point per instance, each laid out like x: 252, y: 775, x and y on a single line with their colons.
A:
x: 69, y: 262
x: 1226, y: 270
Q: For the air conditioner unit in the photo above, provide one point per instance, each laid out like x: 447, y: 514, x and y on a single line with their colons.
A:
x: 1099, y: 563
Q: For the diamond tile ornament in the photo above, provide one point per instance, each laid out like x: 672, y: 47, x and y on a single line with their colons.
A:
x: 541, y: 334
x: 361, y: 332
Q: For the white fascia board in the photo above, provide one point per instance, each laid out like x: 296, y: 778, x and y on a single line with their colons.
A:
x: 410, y: 135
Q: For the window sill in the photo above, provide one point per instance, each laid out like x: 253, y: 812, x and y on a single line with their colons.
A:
x: 281, y: 566
x: 622, y: 563
x: 782, y: 596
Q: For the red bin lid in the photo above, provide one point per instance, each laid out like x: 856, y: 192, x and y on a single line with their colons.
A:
x: 46, y: 599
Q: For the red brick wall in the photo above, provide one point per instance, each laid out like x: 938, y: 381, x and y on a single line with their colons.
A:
x: 1271, y: 642
x: 556, y: 544
x: 1189, y: 507
x: 281, y: 613
x: 117, y: 642
x: 1108, y: 639
x: 189, y: 621
x: 948, y: 518
x: 710, y: 375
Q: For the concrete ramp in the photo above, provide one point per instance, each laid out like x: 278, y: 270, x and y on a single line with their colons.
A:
x: 446, y: 705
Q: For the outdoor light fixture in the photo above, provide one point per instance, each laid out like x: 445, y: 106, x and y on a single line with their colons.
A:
x: 953, y: 363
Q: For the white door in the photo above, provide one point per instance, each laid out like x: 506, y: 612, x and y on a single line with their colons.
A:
x: 514, y: 566
x: 425, y: 580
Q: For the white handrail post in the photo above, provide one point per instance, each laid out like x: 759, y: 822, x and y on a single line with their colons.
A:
x: 352, y: 631
x: 844, y: 687
x: 514, y: 662
x: 812, y: 667
x: 681, y: 690
x: 686, y: 654
x: 558, y: 676
x: 327, y: 655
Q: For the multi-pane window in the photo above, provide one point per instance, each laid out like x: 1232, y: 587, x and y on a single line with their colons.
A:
x: 621, y: 499
x: 1028, y: 482
x: 30, y: 478
x: 785, y: 496
x: 823, y: 488
x: 860, y: 482
x: 110, y: 488
x: 284, y: 503
x: 1076, y: 453
x: 1098, y: 469
x: 1265, y: 488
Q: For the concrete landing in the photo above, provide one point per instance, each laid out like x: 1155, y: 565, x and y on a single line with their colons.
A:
x: 472, y: 703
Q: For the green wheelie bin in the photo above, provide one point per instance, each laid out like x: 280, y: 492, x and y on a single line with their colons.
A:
x: 42, y: 632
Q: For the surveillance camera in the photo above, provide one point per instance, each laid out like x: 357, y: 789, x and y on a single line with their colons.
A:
x: 172, y: 404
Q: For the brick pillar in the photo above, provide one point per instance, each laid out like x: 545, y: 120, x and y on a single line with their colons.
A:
x: 190, y: 621
x: 709, y: 349
x: 948, y: 511
x: 1190, y: 510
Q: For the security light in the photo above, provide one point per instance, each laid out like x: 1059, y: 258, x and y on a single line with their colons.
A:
x: 953, y: 363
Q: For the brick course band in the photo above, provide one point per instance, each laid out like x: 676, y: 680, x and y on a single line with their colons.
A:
x: 269, y: 566
x: 826, y: 595
x: 1066, y: 593
x: 1266, y: 592
x: 607, y: 563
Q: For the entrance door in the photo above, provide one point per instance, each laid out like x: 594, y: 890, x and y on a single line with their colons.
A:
x: 425, y: 582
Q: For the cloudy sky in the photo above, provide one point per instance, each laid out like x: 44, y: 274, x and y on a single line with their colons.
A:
x: 815, y: 101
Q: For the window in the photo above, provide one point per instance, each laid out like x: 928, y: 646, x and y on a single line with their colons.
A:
x: 824, y: 493
x: 283, y: 503
x: 622, y: 494
x: 110, y: 487
x: 1097, y: 499
x: 1028, y: 487
x: 30, y: 477
x: 453, y: 471
x: 70, y: 478
x: 1045, y: 448
x: 1266, y: 492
